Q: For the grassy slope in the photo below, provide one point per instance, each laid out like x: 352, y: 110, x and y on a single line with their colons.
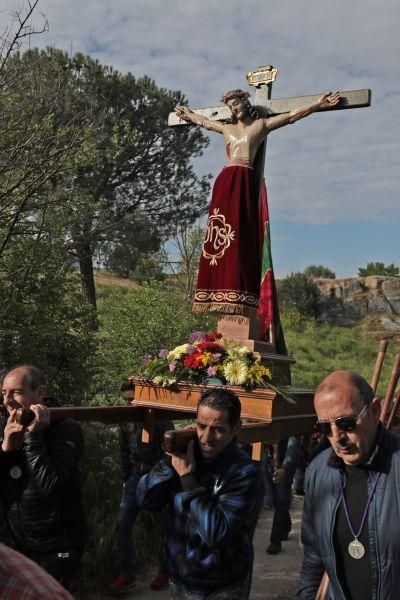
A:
x: 320, y: 350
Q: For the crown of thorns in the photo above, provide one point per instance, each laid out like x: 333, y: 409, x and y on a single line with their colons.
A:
x: 235, y: 94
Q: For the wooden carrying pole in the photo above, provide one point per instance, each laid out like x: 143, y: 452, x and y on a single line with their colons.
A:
x: 379, y: 364
x: 394, y: 377
x: 393, y: 412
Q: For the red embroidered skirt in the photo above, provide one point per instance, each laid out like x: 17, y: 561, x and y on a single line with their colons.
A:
x: 230, y: 263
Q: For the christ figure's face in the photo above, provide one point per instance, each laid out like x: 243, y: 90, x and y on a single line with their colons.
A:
x: 238, y: 107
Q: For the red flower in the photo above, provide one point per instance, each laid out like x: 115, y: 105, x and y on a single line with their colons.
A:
x: 209, y: 346
x: 193, y: 361
x: 211, y: 337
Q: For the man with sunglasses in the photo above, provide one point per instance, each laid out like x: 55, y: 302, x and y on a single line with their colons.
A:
x: 351, y: 518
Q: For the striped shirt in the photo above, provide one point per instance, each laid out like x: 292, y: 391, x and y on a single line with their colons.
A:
x: 22, y: 579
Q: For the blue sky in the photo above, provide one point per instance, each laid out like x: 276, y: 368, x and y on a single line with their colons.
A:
x: 333, y: 179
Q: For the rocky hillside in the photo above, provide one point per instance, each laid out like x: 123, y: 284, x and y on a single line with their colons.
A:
x: 348, y: 301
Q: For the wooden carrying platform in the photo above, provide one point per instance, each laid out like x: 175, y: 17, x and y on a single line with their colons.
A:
x: 269, y: 416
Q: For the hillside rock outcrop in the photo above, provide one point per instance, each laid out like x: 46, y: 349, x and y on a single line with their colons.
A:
x: 347, y: 301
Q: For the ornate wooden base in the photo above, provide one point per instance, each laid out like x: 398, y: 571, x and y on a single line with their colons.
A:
x: 247, y: 331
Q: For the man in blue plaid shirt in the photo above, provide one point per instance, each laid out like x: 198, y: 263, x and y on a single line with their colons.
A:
x: 213, y: 495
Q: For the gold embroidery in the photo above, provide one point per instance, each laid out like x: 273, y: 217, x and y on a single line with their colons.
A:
x: 226, y: 296
x: 219, y: 236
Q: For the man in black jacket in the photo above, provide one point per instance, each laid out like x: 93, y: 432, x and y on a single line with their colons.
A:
x: 39, y: 482
x: 351, y: 518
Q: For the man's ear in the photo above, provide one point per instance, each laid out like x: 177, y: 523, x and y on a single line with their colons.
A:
x: 236, y: 428
x: 41, y: 392
x: 376, y: 409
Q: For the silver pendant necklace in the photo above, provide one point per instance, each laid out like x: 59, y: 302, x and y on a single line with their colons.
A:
x: 356, y: 548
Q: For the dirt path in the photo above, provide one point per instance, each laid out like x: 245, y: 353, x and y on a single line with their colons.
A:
x: 274, y: 577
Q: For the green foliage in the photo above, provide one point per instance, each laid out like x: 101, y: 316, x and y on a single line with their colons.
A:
x: 134, y: 322
x: 379, y: 268
x: 135, y: 251
x: 102, y: 487
x: 298, y: 292
x: 321, y: 349
x: 317, y: 271
x: 188, y: 245
x: 92, y: 147
x: 43, y: 319
x: 293, y: 320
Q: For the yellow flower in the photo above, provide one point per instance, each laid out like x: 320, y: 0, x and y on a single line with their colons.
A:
x: 258, y: 373
x: 206, y: 359
x: 235, y: 372
x: 178, y: 351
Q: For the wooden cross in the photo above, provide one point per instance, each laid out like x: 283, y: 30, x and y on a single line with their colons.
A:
x: 262, y: 80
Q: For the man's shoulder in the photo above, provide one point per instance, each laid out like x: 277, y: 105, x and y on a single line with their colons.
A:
x: 319, y: 464
x: 238, y: 460
x: 66, y: 425
x: 65, y: 429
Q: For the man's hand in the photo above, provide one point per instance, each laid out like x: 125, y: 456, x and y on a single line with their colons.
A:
x: 329, y: 100
x: 42, y: 417
x: 279, y: 475
x: 184, y: 463
x: 13, y: 433
x: 184, y: 112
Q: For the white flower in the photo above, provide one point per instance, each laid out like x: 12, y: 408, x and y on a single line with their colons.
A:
x: 157, y: 380
x: 236, y: 372
x: 178, y: 351
x: 244, y: 350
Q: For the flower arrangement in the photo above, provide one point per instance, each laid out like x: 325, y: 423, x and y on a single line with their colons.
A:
x: 208, y: 357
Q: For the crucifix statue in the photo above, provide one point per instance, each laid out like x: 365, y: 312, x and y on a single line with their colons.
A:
x: 235, y: 273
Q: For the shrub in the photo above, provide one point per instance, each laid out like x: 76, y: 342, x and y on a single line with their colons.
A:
x: 378, y: 268
x: 298, y: 292
x: 136, y: 321
x: 317, y: 271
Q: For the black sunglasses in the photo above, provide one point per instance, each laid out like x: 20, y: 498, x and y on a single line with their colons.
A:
x: 342, y: 423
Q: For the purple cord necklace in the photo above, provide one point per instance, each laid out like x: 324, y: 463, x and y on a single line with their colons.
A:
x: 356, y: 548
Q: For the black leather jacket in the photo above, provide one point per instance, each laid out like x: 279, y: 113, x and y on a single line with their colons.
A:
x: 40, y: 489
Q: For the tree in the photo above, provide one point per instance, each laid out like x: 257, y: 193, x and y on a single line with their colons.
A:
x: 136, y: 242
x: 298, y: 291
x: 43, y: 317
x: 378, y: 268
x: 37, y: 144
x: 187, y: 245
x: 319, y: 271
x: 134, y: 161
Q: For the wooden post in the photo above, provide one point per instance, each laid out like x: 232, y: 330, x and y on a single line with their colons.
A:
x: 394, y: 377
x: 378, y: 365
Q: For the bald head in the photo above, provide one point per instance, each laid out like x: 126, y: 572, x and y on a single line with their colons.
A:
x: 347, y: 394
x: 353, y: 381
x: 23, y: 386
